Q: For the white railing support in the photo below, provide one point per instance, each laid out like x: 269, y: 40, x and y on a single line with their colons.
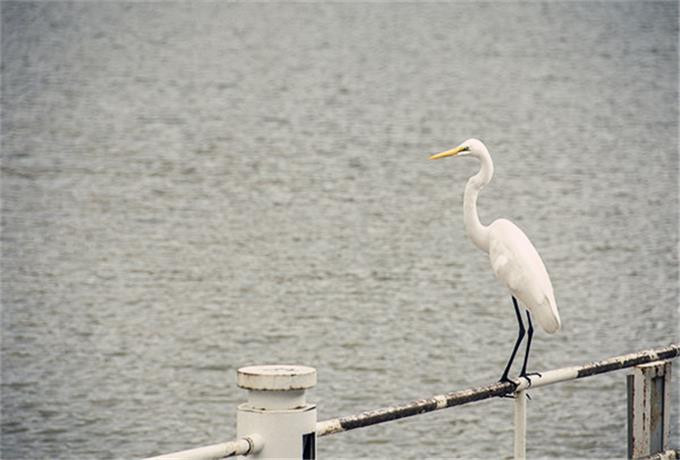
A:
x: 520, y: 425
x: 649, y: 409
x: 244, y: 446
x: 277, y: 410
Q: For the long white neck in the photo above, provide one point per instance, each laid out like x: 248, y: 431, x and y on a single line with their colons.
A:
x: 478, y: 233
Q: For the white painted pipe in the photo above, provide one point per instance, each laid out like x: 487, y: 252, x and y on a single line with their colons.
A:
x: 244, y: 446
x: 520, y: 425
x: 548, y: 378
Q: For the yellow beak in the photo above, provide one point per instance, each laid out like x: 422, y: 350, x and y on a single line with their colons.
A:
x: 449, y: 153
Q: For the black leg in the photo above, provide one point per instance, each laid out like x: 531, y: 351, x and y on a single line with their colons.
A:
x: 530, y: 334
x: 520, y: 335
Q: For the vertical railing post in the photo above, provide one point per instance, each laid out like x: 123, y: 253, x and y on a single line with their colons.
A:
x: 649, y: 409
x: 520, y: 425
x: 277, y: 410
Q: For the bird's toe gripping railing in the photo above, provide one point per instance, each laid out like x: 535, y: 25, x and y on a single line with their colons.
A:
x: 277, y: 421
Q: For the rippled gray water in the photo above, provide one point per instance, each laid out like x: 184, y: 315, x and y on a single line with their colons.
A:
x: 189, y: 188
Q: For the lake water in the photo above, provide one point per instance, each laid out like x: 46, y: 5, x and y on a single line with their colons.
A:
x: 188, y: 188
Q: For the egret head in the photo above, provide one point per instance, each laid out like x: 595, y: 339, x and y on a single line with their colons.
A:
x: 473, y: 147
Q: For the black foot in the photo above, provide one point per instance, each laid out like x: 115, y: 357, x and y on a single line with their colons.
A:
x: 512, y: 395
x: 527, y: 376
x: 505, y: 379
x: 533, y: 373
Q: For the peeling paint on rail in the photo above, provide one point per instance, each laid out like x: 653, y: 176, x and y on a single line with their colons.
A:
x: 456, y: 398
x: 630, y: 360
x: 413, y: 408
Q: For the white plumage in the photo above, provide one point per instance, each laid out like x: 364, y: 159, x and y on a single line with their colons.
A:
x: 518, y: 266
x: 514, y: 260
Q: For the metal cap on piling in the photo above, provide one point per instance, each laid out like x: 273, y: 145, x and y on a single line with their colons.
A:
x: 277, y: 377
x: 277, y: 409
x: 276, y: 387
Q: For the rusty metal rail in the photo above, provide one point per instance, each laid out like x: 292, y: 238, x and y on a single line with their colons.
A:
x: 456, y: 398
x: 279, y: 440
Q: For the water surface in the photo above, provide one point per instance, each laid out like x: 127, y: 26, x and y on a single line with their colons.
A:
x: 188, y: 188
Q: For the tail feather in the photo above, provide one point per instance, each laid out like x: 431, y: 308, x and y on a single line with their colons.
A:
x: 547, y: 317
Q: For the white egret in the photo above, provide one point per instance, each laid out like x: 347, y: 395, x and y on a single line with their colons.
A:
x: 514, y: 260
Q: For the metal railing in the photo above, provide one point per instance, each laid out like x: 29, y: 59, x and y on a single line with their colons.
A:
x: 290, y: 386
x: 243, y: 446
